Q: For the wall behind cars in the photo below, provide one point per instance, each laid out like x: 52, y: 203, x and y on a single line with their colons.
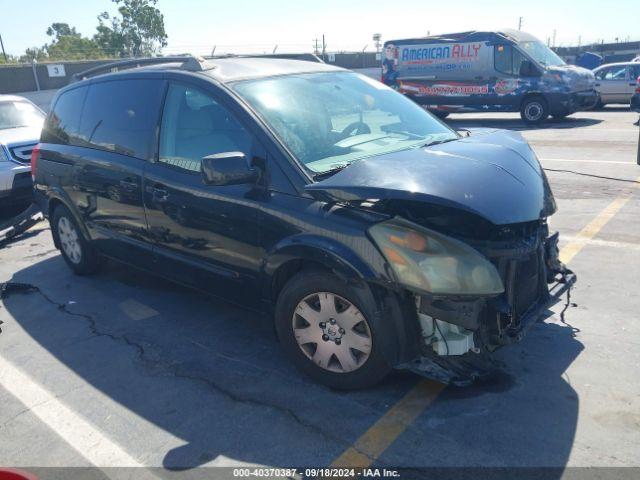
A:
x: 54, y: 75
x: 21, y: 78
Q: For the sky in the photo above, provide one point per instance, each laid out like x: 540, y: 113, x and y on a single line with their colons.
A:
x: 252, y: 26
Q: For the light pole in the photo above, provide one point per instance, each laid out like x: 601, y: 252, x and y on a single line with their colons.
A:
x: 3, y: 52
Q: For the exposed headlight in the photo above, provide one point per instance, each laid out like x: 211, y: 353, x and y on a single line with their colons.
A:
x: 434, y: 263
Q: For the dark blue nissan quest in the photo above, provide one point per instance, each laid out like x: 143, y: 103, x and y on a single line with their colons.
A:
x: 377, y: 236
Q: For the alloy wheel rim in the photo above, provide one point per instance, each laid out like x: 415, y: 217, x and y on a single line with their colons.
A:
x: 69, y: 239
x: 332, y: 332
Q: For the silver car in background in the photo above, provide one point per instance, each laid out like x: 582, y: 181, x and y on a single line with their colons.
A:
x: 616, y: 82
x: 20, y: 125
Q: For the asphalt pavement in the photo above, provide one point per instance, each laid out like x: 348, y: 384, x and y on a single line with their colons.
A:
x: 125, y: 369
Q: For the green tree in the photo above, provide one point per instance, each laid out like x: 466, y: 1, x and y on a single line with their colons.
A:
x: 68, y: 44
x: 74, y: 48
x: 58, y: 29
x: 137, y: 31
x: 33, y: 53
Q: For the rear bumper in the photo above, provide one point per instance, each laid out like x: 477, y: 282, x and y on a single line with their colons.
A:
x: 17, y: 186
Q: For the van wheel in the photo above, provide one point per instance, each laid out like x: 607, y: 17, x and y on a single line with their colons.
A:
x: 323, y: 325
x: 81, y: 257
x: 534, y: 110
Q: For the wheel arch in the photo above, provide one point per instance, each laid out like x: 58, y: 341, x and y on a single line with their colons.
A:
x: 58, y: 198
x: 533, y: 93
x: 395, y: 313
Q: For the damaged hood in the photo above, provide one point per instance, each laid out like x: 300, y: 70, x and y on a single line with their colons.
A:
x: 492, y: 173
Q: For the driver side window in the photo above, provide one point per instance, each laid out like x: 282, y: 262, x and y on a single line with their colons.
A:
x: 507, y: 59
x: 194, y: 125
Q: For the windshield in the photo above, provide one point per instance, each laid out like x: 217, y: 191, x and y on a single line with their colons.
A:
x: 541, y: 53
x: 14, y: 114
x: 329, y: 120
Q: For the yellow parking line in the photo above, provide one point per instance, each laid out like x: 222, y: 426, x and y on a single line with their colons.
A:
x: 389, y: 427
x: 593, y: 227
x: 392, y: 424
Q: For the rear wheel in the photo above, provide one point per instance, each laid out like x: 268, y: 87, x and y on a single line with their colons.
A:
x: 534, y: 110
x: 324, y: 327
x: 76, y: 250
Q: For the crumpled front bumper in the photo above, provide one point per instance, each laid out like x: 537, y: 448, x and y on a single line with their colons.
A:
x: 495, y: 322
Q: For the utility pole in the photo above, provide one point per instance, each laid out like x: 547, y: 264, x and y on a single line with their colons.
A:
x: 324, y: 49
x: 520, y: 23
x: 554, y: 37
x: 315, y: 48
x: 3, y: 52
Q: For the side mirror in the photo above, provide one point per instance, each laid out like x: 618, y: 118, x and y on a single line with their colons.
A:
x: 528, y: 69
x: 228, y: 168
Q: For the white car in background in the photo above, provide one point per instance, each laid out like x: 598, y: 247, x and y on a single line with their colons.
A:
x: 20, y: 125
x: 616, y: 82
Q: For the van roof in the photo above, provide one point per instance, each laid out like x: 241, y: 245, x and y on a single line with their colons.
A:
x: 469, y: 36
x: 223, y: 69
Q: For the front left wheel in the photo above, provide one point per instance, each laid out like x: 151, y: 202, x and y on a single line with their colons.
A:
x: 325, y: 328
x: 534, y: 110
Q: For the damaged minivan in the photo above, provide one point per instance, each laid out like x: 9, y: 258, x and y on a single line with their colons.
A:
x: 377, y: 236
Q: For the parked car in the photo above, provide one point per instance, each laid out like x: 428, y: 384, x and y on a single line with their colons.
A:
x: 20, y: 125
x: 378, y: 236
x: 500, y: 71
x: 616, y: 82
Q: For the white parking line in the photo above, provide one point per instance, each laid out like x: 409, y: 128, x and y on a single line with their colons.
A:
x: 574, y: 160
x: 83, y: 437
x: 602, y: 243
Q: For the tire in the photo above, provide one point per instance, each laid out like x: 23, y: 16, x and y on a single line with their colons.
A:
x: 76, y: 250
x: 364, y: 364
x: 534, y: 110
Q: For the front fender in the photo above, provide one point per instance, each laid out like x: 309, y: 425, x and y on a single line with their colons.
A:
x: 326, y: 251
x: 395, y: 315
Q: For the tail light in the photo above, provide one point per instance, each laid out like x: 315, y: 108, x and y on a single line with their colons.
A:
x: 35, y: 156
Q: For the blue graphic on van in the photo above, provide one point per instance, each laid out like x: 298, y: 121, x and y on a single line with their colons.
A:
x: 489, y: 71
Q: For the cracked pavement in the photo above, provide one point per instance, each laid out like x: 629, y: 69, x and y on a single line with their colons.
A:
x: 179, y: 380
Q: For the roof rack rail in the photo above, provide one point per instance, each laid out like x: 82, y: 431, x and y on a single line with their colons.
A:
x: 187, y: 62
x: 309, y: 57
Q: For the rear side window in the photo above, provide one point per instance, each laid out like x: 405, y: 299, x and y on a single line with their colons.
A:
x: 121, y: 116
x: 63, y: 122
x: 634, y: 72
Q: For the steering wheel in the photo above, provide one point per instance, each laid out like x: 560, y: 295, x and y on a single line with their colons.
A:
x: 355, y: 128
